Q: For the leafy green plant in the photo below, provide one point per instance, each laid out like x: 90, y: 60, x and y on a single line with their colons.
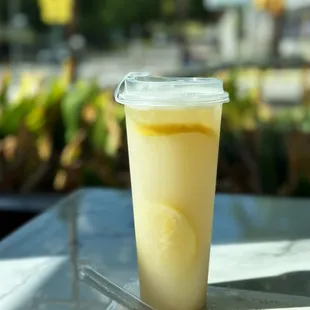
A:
x: 263, y: 151
x: 52, y: 131
x: 58, y: 136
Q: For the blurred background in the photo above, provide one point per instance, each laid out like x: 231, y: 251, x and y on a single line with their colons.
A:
x: 61, y: 59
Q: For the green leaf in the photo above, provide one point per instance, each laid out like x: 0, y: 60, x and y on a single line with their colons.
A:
x: 72, y: 105
x: 55, y: 92
x: 99, y: 133
x: 14, y: 114
x: 4, y: 86
x: 35, y: 120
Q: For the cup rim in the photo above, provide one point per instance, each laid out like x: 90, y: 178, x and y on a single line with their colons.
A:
x: 143, y: 89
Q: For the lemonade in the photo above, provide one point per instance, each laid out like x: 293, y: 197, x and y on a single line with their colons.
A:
x: 173, y: 127
x: 173, y: 159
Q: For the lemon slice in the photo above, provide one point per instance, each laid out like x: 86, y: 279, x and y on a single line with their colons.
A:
x: 167, y: 238
x: 172, y: 129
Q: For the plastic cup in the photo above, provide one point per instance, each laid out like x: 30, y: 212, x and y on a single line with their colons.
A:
x: 173, y: 129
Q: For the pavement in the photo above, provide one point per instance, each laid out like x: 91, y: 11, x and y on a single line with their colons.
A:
x: 280, y: 86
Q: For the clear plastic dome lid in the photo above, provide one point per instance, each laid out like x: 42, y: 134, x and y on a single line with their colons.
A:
x: 143, y: 89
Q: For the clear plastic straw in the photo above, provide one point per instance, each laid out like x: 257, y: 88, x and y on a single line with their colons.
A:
x: 111, y: 290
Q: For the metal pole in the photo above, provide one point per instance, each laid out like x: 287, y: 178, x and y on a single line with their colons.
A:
x: 69, y: 32
x: 14, y: 53
x: 181, y: 11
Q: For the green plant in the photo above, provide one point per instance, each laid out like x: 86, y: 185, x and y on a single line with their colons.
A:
x: 58, y: 136
x: 51, y: 132
x: 263, y: 151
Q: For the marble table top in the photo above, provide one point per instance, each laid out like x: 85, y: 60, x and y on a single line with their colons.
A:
x: 259, y: 244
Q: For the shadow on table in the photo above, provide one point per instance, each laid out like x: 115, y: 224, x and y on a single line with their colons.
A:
x: 296, y: 283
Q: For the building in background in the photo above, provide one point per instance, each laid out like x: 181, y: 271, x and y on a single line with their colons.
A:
x: 261, y: 29
x: 296, y: 33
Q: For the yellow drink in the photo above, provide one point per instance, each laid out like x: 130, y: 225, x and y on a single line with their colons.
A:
x: 173, y: 152
x: 173, y: 159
